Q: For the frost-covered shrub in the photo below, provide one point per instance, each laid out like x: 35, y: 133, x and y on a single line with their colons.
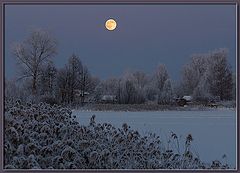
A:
x: 41, y: 136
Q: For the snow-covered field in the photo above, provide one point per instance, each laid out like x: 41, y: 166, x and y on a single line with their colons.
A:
x: 214, y: 132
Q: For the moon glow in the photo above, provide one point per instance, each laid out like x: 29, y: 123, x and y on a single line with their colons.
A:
x: 111, y: 24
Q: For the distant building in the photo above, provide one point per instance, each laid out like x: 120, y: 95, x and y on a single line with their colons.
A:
x: 80, y: 93
x: 184, y: 100
x: 108, y: 99
x: 83, y: 97
x: 188, y: 98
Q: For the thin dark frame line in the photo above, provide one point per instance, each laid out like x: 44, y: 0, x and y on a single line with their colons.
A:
x: 237, y: 83
x: 122, y: 3
x: 3, y: 79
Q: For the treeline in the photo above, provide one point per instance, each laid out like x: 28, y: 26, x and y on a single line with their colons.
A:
x: 209, y: 75
x: 205, y: 77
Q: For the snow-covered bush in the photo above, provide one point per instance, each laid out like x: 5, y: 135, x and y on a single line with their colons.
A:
x: 40, y: 136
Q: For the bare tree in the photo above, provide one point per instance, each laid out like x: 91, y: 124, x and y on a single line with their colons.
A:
x: 69, y: 79
x: 62, y: 84
x: 75, y: 71
x: 75, y: 81
x: 86, y: 83
x: 48, y: 79
x: 33, y: 53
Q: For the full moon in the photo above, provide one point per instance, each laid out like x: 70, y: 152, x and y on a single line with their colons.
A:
x: 111, y: 24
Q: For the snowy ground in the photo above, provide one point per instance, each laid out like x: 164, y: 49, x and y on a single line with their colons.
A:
x: 214, y: 131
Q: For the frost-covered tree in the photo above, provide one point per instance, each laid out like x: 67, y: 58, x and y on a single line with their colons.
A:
x: 125, y: 89
x: 201, y: 93
x: 151, y: 93
x: 106, y: 87
x: 110, y: 86
x: 140, y: 82
x: 219, y: 75
x: 166, y: 96
x: 160, y: 77
x: 192, y: 73
x: 150, y: 89
x: 33, y: 53
x: 178, y: 89
x: 98, y: 92
x: 130, y: 91
x: 140, y: 79
x: 131, y: 88
x: 208, y: 74
x: 119, y: 91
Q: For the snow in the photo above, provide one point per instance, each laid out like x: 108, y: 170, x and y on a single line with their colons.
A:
x: 214, y: 131
x: 187, y: 98
x: 41, y: 136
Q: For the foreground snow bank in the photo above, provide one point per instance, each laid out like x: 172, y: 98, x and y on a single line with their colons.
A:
x: 41, y: 136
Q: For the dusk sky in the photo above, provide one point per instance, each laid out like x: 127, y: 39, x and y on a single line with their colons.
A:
x: 146, y: 35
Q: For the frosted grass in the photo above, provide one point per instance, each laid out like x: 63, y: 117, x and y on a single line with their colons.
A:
x: 214, y: 131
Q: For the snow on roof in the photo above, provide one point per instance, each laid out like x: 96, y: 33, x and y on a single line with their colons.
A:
x: 108, y: 97
x: 187, y: 98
